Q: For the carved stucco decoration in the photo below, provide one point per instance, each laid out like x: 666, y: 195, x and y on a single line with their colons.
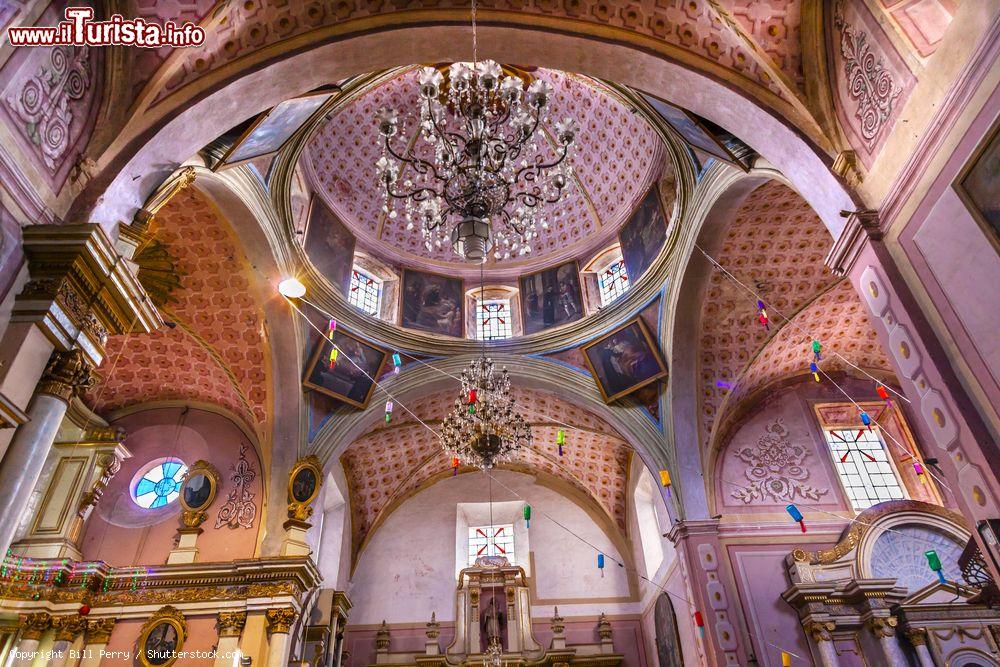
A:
x: 774, y: 468
x: 852, y: 537
x: 44, y: 105
x: 239, y: 509
x: 869, y: 83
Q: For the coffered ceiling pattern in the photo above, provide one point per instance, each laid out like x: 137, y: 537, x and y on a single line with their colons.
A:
x: 219, y: 337
x: 723, y: 32
x: 391, y: 462
x: 775, y: 245
x: 615, y: 159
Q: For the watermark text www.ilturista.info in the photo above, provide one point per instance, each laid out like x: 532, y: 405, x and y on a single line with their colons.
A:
x: 79, y: 29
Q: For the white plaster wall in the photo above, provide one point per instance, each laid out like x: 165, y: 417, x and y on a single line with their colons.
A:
x: 407, y: 570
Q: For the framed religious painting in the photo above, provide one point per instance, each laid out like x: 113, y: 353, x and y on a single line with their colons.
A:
x: 270, y: 130
x: 329, y: 244
x: 643, y: 236
x: 551, y: 298
x: 693, y: 130
x: 978, y: 186
x: 624, y: 360
x: 304, y: 482
x: 201, y: 483
x: 350, y: 374
x: 433, y: 303
x: 162, y: 638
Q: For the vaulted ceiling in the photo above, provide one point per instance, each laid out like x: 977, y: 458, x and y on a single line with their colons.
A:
x: 391, y: 462
x: 216, y: 351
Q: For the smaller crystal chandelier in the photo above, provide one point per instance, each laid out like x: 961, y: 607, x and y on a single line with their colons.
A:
x: 481, y: 158
x: 484, y: 429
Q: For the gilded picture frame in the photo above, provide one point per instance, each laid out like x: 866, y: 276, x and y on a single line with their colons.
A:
x: 632, y: 372
x: 167, y: 628
x: 204, y: 469
x: 297, y: 481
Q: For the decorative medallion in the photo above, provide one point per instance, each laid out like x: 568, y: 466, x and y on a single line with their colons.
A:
x: 239, y: 509
x: 774, y: 468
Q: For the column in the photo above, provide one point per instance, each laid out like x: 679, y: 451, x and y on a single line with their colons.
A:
x: 230, y: 625
x: 32, y: 626
x: 67, y: 628
x: 95, y: 639
x: 884, y: 629
x: 918, y: 639
x: 67, y: 375
x: 821, y: 634
x: 279, y: 624
x: 79, y: 291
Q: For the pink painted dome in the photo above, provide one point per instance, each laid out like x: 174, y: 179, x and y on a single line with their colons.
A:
x: 617, y: 158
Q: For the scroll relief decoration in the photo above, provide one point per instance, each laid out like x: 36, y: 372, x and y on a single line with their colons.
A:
x: 868, y: 81
x: 774, y: 468
x: 45, y: 105
x: 239, y: 509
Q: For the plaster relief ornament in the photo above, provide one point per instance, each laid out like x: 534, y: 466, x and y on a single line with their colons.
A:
x: 44, y: 103
x: 774, y: 468
x: 868, y: 81
x: 239, y: 509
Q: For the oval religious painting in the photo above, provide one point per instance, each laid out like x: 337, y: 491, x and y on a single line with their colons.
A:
x: 198, y: 491
x: 304, y: 485
x: 161, y: 644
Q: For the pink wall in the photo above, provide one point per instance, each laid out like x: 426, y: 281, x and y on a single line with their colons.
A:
x: 202, y: 636
x: 121, y: 533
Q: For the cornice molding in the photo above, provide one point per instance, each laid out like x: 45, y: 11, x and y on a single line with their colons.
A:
x: 79, y: 290
x: 861, y: 227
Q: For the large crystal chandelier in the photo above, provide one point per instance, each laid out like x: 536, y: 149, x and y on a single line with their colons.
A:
x: 484, y: 429
x: 481, y: 165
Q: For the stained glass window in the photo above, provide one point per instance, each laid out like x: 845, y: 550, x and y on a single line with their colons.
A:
x: 365, y: 292
x: 159, y: 484
x: 864, y: 466
x: 613, y: 282
x: 491, y: 541
x: 493, y: 320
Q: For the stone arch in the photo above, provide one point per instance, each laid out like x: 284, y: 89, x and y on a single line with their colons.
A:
x: 179, y: 125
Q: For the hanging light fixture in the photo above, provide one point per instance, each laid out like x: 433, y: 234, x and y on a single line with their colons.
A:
x: 484, y: 427
x: 481, y: 166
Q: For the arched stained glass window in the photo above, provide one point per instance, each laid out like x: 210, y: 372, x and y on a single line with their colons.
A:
x: 159, y: 483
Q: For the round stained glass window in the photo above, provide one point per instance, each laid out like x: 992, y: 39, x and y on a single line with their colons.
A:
x: 159, y: 483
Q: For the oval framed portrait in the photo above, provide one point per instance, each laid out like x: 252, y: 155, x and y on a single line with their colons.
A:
x: 199, y: 487
x: 162, y: 638
x: 304, y: 482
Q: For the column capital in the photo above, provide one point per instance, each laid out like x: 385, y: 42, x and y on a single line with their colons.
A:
x: 33, y: 626
x: 280, y: 620
x: 820, y: 631
x: 861, y: 226
x: 230, y: 623
x: 69, y: 627
x: 99, y: 630
x: 917, y: 636
x: 67, y: 375
x: 883, y: 626
x: 80, y: 289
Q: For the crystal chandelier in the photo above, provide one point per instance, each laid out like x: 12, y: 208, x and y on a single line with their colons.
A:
x: 484, y: 428
x: 481, y: 160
